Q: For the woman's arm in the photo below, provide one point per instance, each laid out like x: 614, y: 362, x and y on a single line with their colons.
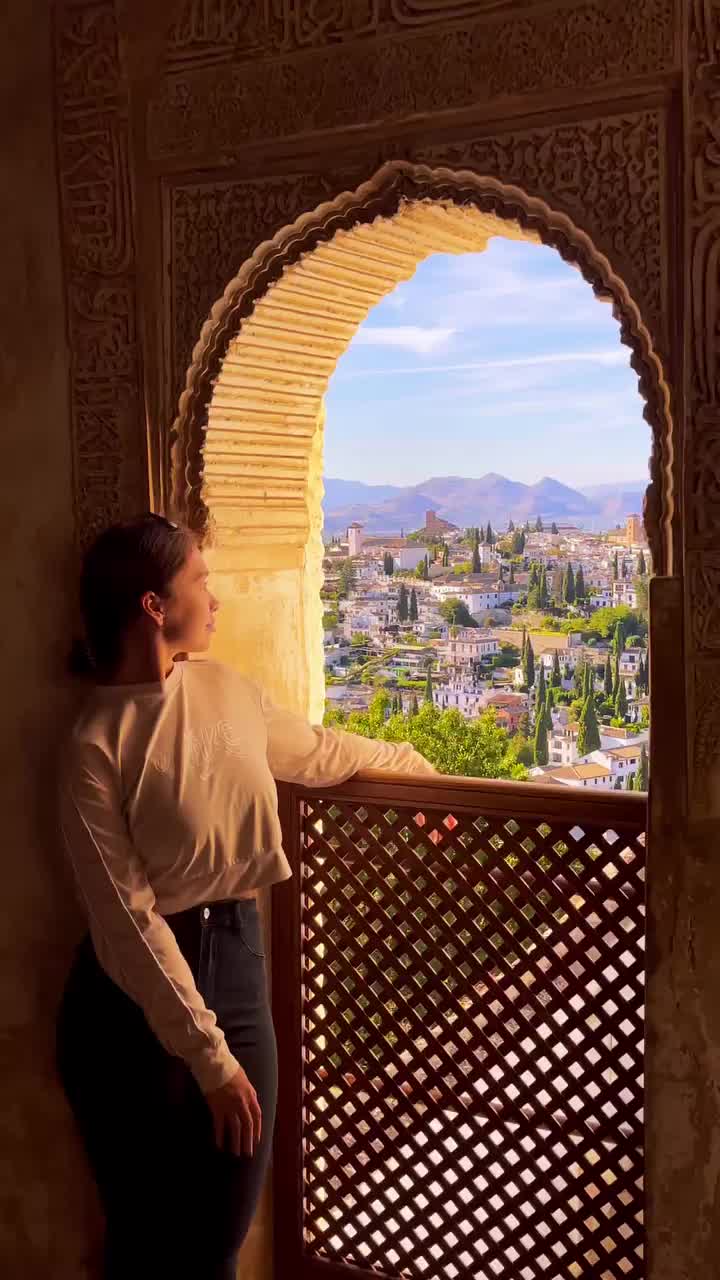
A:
x: 134, y: 945
x: 314, y: 756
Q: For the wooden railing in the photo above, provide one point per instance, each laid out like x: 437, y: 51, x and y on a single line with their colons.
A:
x: 458, y: 972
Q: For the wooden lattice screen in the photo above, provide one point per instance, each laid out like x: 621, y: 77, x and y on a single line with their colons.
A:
x: 458, y: 993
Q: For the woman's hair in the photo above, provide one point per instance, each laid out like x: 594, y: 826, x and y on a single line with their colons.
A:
x: 124, y: 562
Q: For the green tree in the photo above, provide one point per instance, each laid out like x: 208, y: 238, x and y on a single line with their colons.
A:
x: 629, y: 783
x: 556, y: 678
x: 476, y: 562
x: 388, y: 564
x: 511, y: 526
x: 402, y: 608
x: 569, y: 585
x: 477, y: 749
x: 540, y: 690
x: 413, y: 607
x: 618, y: 640
x: 543, y: 589
x: 446, y: 556
x: 346, y: 578
x: 580, y: 591
x: 539, y: 525
x: 456, y: 612
x: 540, y: 744
x: 588, y: 730
x: 528, y: 664
x: 615, y: 567
x: 579, y: 679
x: 616, y: 677
x: 511, y: 575
x: 608, y: 678
x: 414, y: 708
x: 589, y: 681
x: 553, y: 527
x: 489, y: 537
x: 641, y: 569
x: 643, y: 774
x: 621, y: 704
x: 428, y: 696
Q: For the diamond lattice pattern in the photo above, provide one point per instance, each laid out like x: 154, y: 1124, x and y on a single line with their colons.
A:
x: 472, y: 1043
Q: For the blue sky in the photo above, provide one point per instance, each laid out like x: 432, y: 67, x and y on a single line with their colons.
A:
x: 496, y: 361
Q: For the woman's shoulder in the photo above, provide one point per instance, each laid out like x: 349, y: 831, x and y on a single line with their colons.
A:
x: 209, y: 671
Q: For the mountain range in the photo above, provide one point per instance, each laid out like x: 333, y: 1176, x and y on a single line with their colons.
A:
x: 390, y: 508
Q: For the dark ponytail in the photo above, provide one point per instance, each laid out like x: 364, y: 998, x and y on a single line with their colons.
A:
x: 123, y: 562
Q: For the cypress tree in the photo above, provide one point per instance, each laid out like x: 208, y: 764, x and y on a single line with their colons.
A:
x: 588, y: 731
x: 540, y: 745
x: 642, y: 775
x: 616, y: 678
x: 539, y: 525
x: 629, y: 783
x: 543, y: 589
x: 579, y: 679
x: 588, y: 681
x: 621, y: 701
x: 511, y: 575
x: 403, y: 603
x: 540, y: 687
x: 511, y: 526
x: 428, y: 687
x: 580, y: 584
x: 528, y: 664
x: 414, y: 708
x: 569, y: 592
x: 553, y: 527
x: 608, y: 678
x: 615, y: 568
x: 618, y: 640
x: 413, y: 611
x: 489, y: 534
x: 642, y: 570
x: 556, y: 678
x: 476, y: 565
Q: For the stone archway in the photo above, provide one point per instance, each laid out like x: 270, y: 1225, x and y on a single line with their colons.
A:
x: 247, y: 441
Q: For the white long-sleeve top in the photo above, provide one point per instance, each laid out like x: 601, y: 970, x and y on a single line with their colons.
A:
x: 167, y: 800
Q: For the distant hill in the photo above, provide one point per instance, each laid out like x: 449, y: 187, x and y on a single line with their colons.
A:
x: 389, y: 508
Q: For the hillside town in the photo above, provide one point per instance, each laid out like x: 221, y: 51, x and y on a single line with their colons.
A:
x: 518, y: 652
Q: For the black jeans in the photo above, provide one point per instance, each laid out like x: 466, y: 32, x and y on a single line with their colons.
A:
x: 175, y: 1204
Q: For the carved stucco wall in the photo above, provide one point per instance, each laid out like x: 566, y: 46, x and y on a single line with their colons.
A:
x: 190, y: 132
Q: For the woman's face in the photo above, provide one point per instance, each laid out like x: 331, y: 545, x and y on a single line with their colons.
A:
x: 190, y: 607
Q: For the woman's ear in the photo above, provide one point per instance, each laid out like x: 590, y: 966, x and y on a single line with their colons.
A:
x: 151, y: 604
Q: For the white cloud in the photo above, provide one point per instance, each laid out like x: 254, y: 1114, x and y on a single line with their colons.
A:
x: 615, y: 356
x: 409, y: 337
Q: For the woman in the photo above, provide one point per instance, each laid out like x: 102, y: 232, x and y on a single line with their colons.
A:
x: 166, y: 1047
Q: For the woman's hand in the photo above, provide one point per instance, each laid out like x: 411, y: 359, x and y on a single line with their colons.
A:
x: 236, y: 1114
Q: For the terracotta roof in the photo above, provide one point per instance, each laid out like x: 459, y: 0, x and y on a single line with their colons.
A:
x: 581, y: 771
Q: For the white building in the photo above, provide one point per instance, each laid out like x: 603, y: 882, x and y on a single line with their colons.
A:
x: 355, y: 538
x: 469, y: 645
x: 623, y: 592
x: 461, y: 694
x: 408, y: 558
